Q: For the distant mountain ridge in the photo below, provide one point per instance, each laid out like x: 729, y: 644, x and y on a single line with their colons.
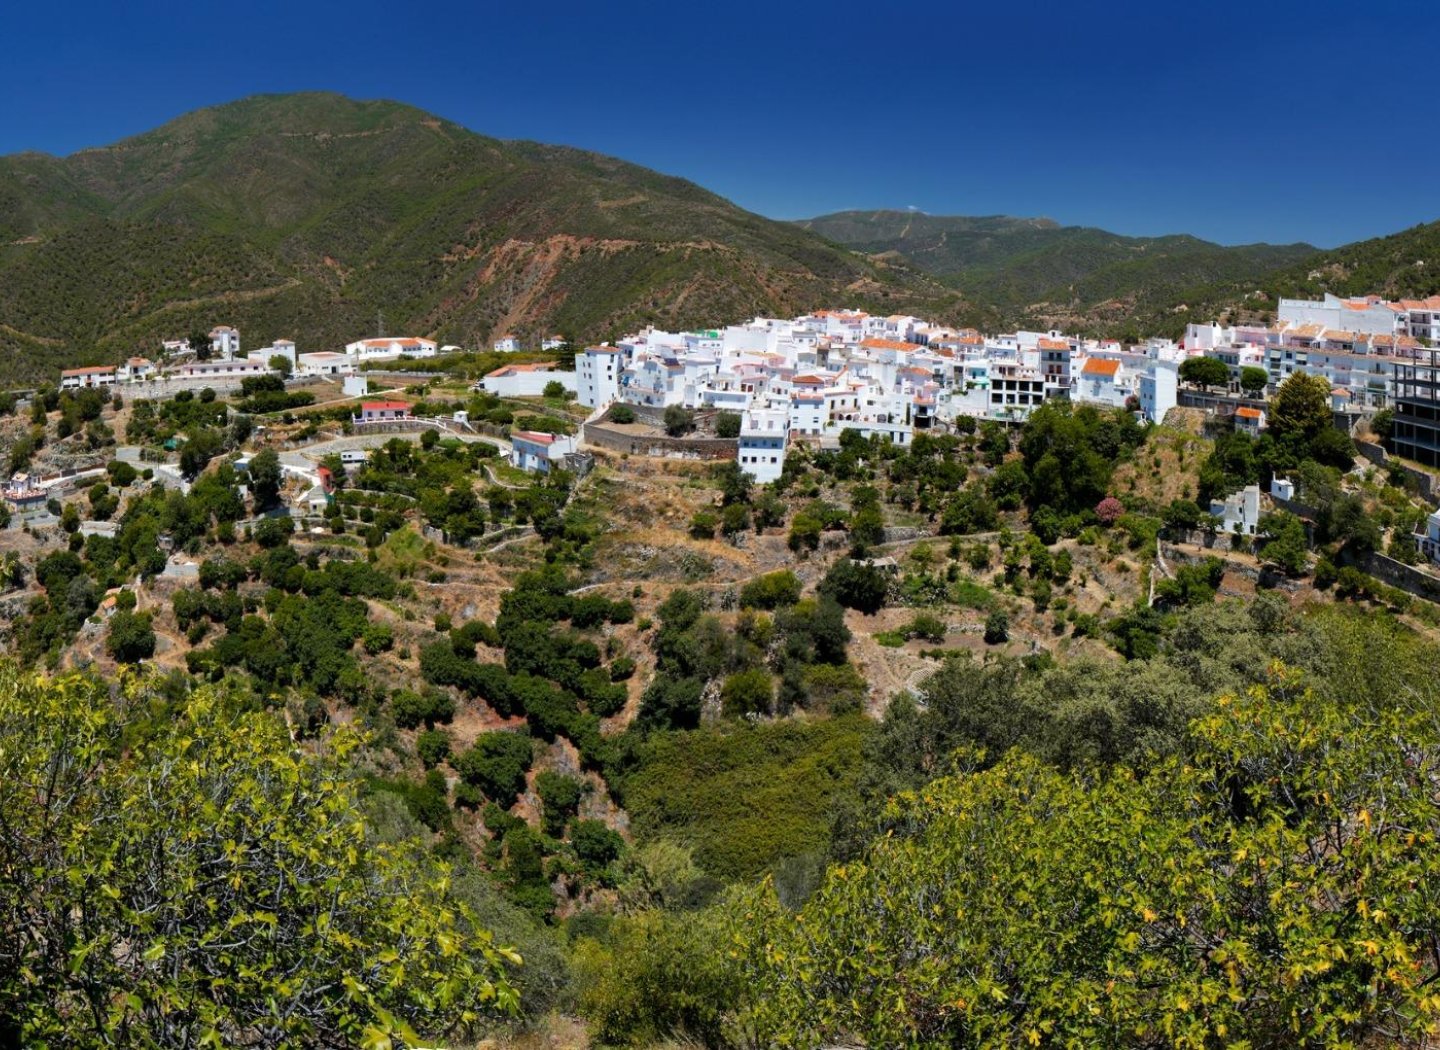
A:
x: 1039, y: 270
x: 304, y: 216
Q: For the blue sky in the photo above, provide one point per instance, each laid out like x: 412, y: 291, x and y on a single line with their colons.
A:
x: 1272, y: 120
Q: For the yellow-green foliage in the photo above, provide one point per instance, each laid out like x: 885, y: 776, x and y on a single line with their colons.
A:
x: 186, y: 876
x: 1281, y: 887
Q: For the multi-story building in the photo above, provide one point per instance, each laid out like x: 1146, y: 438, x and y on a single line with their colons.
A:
x: 1415, y: 432
x: 225, y: 341
x: 764, y: 434
x: 597, y: 375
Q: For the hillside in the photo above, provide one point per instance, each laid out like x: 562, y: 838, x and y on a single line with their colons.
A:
x: 1037, y: 271
x: 303, y: 216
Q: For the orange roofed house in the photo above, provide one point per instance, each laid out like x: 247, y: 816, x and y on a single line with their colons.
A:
x: 382, y: 411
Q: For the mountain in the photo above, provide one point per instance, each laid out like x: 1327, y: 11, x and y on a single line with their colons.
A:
x: 304, y: 216
x: 1039, y: 272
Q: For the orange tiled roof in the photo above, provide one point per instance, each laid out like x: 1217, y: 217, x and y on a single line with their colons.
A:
x: 889, y: 344
x: 1100, y: 367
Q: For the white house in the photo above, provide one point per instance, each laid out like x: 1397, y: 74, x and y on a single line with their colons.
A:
x: 764, y: 433
x: 1429, y: 540
x: 387, y: 348
x: 324, y: 363
x: 1158, y: 389
x: 383, y: 411
x: 539, y: 453
x: 509, y: 343
x: 1249, y: 420
x: 526, y: 380
x: 1240, y: 511
x: 597, y: 375
x: 224, y: 341
x: 1102, y: 382
x: 553, y: 342
x: 95, y: 375
x: 280, y: 348
x: 135, y: 369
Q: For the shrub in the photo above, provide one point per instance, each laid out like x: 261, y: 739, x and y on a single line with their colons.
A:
x: 997, y: 628
x: 496, y: 764
x: 771, y: 591
x: 622, y: 414
x: 433, y: 747
x: 1109, y: 510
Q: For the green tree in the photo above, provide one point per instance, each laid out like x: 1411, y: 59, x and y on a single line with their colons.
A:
x: 496, y: 764
x: 678, y: 420
x: 560, y: 797
x: 727, y: 424
x: 280, y: 363
x: 1300, y: 407
x: 1253, y: 380
x: 554, y: 388
x: 621, y: 414
x: 265, y: 478
x: 1198, y: 899
x: 173, y: 871
x: 1205, y: 371
x: 131, y: 637
x: 856, y: 585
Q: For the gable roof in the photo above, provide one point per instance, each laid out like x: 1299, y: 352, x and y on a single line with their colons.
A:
x: 1097, y: 366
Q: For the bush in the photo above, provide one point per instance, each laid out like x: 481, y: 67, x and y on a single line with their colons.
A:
x: 703, y: 525
x: 560, y: 797
x: 596, y: 845
x: 997, y: 628
x: 727, y: 424
x: 678, y: 421
x: 433, y: 747
x: 622, y: 414
x: 496, y: 764
x: 771, y: 591
x: 1109, y: 510
x: 856, y: 586
x: 131, y: 637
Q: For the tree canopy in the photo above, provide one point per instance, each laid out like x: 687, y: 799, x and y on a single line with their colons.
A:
x: 180, y: 874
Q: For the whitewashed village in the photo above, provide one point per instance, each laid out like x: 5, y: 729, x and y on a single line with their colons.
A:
x: 809, y: 380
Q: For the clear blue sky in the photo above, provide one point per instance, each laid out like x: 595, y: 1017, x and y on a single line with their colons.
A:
x: 1273, y: 120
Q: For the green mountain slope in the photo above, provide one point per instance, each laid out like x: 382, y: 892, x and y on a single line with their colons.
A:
x: 1035, y: 270
x: 302, y: 216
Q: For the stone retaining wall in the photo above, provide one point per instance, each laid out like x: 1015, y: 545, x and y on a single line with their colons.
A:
x: 659, y: 445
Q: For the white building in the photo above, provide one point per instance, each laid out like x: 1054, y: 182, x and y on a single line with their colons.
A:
x: 1159, y: 390
x: 95, y: 375
x: 280, y: 348
x: 509, y: 343
x: 388, y: 348
x: 597, y: 376
x: 764, y: 434
x: 1239, y: 512
x: 135, y: 369
x: 1369, y: 314
x: 552, y: 342
x: 539, y: 453
x: 1101, y: 382
x: 324, y: 363
x: 224, y: 341
x: 526, y: 380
